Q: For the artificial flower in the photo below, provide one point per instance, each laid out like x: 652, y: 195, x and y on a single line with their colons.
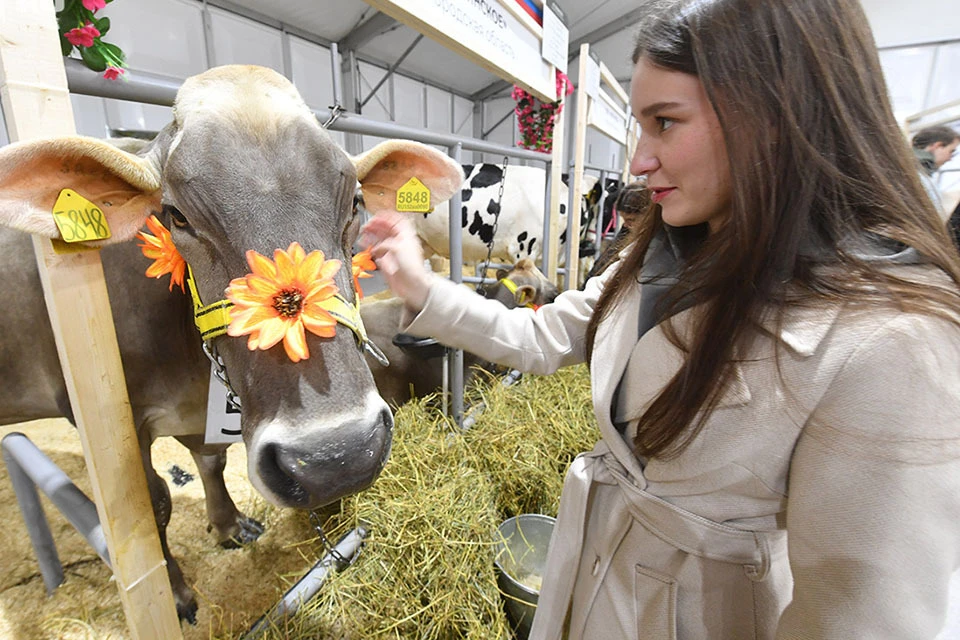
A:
x: 159, y: 248
x: 112, y: 73
x: 94, y: 5
x: 535, y: 118
x: 282, y: 297
x: 82, y: 36
x: 361, y: 263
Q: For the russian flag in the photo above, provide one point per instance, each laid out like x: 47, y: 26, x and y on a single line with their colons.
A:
x: 534, y: 8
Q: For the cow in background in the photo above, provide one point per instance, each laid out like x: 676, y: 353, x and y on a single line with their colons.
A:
x: 243, y: 166
x: 519, y: 231
x: 415, y: 368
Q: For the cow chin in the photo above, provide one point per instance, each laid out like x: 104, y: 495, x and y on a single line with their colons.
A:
x: 307, y: 466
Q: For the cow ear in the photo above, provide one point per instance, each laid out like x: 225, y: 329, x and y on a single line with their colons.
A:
x: 126, y: 187
x: 525, y: 295
x: 389, y: 165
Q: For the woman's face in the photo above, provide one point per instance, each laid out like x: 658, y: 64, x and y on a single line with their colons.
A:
x: 681, y: 148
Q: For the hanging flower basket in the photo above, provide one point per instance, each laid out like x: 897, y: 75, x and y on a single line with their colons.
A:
x: 535, y: 118
x: 80, y: 28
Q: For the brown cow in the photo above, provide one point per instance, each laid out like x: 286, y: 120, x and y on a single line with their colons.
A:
x: 243, y: 166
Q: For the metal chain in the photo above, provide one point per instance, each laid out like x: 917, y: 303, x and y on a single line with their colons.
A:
x: 496, y: 222
x: 335, y: 112
x: 220, y: 372
x: 331, y: 549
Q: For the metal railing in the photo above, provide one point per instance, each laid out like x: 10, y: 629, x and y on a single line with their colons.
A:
x: 30, y: 469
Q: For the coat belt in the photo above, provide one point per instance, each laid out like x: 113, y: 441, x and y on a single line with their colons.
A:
x: 681, y: 529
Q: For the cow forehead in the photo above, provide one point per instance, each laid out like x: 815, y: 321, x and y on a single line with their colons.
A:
x: 260, y: 98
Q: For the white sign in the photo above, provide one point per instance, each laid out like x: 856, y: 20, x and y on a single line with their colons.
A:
x: 591, y: 81
x: 223, y: 422
x: 608, y: 120
x: 556, y: 38
x: 483, y: 31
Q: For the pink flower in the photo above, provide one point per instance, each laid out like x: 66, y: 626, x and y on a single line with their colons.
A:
x: 94, y: 5
x: 82, y: 36
x: 112, y: 73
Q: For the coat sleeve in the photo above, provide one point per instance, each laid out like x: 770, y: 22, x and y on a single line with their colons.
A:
x: 539, y: 341
x: 873, y: 515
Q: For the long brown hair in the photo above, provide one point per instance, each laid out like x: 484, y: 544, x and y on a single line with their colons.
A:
x: 820, y: 175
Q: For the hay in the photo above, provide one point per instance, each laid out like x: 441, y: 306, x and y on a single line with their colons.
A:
x: 427, y: 571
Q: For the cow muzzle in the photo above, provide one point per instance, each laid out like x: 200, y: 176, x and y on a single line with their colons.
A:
x: 309, y: 466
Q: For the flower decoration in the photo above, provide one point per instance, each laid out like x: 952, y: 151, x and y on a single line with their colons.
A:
x: 281, y: 297
x: 535, y: 118
x: 159, y: 248
x: 80, y: 28
x: 361, y: 264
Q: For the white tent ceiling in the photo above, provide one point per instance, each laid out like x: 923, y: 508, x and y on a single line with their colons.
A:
x: 353, y: 24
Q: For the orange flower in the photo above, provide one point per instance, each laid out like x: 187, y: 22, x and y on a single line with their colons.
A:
x: 159, y: 248
x: 361, y: 263
x: 281, y: 297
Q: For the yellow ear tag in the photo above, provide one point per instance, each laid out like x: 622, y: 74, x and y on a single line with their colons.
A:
x: 78, y: 219
x: 413, y: 196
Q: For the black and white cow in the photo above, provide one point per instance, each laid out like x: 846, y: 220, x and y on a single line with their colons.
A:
x: 519, y: 231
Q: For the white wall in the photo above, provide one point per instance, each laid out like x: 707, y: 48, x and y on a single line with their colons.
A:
x: 900, y: 22
x: 177, y: 48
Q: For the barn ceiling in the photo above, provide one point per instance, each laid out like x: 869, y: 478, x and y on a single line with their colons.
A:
x: 605, y: 24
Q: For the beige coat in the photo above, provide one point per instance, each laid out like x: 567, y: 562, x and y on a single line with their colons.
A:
x: 855, y: 453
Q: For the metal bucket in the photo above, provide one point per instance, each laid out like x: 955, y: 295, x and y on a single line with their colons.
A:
x: 521, y: 556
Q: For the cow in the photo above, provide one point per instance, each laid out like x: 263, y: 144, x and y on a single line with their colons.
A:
x: 519, y: 232
x: 243, y: 167
x: 415, y: 368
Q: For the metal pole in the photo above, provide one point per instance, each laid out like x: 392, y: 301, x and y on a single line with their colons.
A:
x: 545, y: 256
x: 598, y: 223
x: 21, y: 454
x: 392, y: 68
x: 456, y: 274
x: 308, y: 586
x: 36, y: 521
x: 573, y: 244
x: 337, y: 74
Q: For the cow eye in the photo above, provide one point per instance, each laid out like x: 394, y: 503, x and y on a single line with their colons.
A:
x: 178, y: 219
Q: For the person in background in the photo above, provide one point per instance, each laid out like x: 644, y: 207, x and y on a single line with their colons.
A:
x: 933, y: 147
x: 775, y: 360
x: 633, y: 201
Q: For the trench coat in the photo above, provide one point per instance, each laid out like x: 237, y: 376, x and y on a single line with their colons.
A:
x: 818, y: 501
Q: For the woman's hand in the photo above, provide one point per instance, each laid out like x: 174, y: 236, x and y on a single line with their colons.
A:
x: 395, y: 247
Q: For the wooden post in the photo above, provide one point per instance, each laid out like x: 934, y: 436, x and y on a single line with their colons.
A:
x: 556, y: 179
x: 576, y: 180
x: 36, y: 103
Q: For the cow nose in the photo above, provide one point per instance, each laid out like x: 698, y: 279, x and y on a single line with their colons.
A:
x: 320, y: 465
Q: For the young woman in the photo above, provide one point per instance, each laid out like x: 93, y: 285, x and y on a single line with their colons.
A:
x: 775, y: 361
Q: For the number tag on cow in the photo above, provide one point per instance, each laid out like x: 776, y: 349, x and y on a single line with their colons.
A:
x: 223, y: 421
x: 78, y: 219
x: 413, y: 197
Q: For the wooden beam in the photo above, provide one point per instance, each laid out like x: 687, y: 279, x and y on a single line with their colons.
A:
x: 33, y: 89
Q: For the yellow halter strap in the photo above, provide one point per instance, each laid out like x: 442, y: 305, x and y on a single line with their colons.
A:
x: 512, y: 288
x: 213, y: 319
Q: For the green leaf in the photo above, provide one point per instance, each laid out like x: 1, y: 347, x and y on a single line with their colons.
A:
x: 115, y: 51
x: 102, y: 24
x: 65, y: 46
x: 93, y: 58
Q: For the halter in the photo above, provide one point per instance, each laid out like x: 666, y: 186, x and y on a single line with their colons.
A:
x: 213, y: 319
x: 512, y: 288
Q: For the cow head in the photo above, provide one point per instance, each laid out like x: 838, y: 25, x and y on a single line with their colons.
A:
x: 245, y: 166
x: 523, y: 286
